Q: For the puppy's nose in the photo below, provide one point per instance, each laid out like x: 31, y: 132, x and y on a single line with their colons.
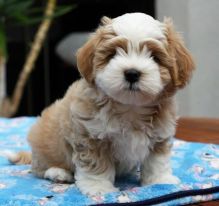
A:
x: 132, y: 75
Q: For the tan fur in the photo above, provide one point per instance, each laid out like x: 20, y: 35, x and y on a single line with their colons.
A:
x: 86, y: 54
x: 60, y: 131
x: 105, y: 20
x: 162, y: 147
x: 162, y: 57
x: 107, y: 50
x: 96, y: 137
x: 159, y: 53
x: 21, y: 158
x: 184, y: 64
x: 48, y: 148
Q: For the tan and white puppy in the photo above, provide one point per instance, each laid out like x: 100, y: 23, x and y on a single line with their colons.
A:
x: 120, y: 114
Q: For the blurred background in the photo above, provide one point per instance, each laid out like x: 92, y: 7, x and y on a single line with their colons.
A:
x: 55, y: 69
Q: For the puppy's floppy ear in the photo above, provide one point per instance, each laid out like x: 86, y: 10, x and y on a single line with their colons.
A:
x: 183, y: 64
x: 85, y: 56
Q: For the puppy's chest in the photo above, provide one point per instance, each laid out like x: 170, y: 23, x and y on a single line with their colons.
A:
x: 127, y: 129
x: 109, y: 123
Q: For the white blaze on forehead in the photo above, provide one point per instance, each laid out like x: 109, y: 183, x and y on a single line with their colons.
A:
x: 137, y: 27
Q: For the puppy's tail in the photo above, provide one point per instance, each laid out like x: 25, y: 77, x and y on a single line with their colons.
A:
x: 19, y: 158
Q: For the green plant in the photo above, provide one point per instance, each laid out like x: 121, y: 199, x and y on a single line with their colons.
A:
x: 23, y: 12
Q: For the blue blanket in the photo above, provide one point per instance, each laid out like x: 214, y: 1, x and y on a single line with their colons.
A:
x: 197, y: 165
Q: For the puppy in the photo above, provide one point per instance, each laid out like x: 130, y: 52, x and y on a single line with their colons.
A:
x: 120, y: 114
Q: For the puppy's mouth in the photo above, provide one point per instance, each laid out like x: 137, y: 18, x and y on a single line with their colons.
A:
x: 132, y: 87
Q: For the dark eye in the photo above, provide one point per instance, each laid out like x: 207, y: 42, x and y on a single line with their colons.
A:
x: 162, y: 59
x: 103, y: 56
x: 155, y: 57
x: 110, y: 54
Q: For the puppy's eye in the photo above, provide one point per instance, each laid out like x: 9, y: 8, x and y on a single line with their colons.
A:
x: 155, y: 58
x: 162, y: 59
x: 108, y: 55
x: 103, y: 56
x: 158, y: 52
x: 111, y: 54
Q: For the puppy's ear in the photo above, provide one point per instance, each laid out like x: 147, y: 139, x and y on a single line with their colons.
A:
x: 183, y: 62
x: 85, y: 56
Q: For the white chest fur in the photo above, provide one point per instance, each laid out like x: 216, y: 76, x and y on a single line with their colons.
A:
x: 130, y: 149
x: 128, y: 128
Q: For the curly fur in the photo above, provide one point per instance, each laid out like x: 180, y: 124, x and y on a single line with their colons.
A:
x: 100, y: 128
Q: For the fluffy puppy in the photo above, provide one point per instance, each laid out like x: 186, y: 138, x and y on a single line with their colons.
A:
x: 121, y: 113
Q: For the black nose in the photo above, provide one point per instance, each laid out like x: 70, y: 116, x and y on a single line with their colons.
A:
x: 132, y: 75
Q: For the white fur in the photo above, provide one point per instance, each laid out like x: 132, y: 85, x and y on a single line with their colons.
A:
x: 131, y: 139
x: 10, y: 155
x: 128, y: 132
x: 111, y: 79
x: 129, y: 117
x: 157, y: 169
x: 95, y: 184
x: 58, y: 175
x: 137, y: 27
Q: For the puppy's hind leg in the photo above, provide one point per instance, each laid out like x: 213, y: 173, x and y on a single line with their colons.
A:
x: 58, y: 175
x: 20, y: 158
x: 43, y: 168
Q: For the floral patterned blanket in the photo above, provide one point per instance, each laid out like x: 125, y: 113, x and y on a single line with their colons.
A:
x: 197, y: 165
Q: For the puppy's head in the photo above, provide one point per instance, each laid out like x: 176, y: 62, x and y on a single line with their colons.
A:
x: 135, y: 59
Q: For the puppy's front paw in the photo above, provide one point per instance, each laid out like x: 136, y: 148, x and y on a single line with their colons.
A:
x: 95, y: 187
x: 162, y: 179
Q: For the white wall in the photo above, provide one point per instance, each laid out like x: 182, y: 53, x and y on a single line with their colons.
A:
x: 198, y: 21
